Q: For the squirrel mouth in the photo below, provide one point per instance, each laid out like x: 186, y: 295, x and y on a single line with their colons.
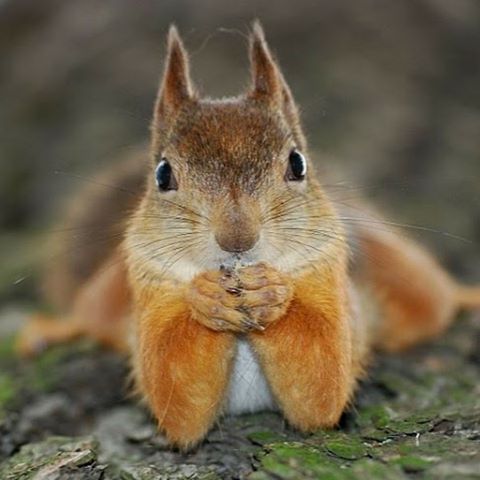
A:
x: 231, y: 262
x: 235, y: 260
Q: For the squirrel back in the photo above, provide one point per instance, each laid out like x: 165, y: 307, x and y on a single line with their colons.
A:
x: 93, y: 226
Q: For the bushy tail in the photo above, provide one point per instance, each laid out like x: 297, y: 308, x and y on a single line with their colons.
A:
x: 468, y: 297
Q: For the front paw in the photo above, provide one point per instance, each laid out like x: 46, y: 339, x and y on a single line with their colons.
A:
x: 215, y: 302
x: 239, y: 300
x: 266, y: 293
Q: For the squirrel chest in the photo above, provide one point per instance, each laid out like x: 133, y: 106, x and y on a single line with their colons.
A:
x: 248, y: 388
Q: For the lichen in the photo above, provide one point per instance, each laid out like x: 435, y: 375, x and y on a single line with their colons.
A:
x: 48, y: 458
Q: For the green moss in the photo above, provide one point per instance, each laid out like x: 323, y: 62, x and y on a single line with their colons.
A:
x: 346, y: 448
x: 377, y: 416
x: 375, y: 434
x: 265, y: 437
x: 369, y: 469
x: 7, y: 389
x: 299, y: 461
x: 408, y: 426
x: 43, y: 372
x: 412, y: 464
x: 259, y: 476
x: 7, y: 348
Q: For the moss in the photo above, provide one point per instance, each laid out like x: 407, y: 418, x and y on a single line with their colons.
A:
x: 370, y: 469
x: 413, y: 464
x: 42, y: 375
x: 377, y: 416
x: 295, y: 460
x: 408, y: 426
x: 7, y: 390
x: 426, y: 452
x: 7, y: 348
x: 259, y: 476
x: 265, y: 437
x: 346, y: 448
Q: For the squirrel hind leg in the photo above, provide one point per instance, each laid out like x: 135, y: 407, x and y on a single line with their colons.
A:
x: 42, y: 332
x: 416, y: 314
x: 417, y: 298
x: 100, y: 311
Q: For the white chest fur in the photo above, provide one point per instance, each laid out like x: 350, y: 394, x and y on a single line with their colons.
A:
x: 248, y: 389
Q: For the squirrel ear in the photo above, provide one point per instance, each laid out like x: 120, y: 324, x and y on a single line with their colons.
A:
x: 269, y: 84
x: 176, y: 87
x: 266, y: 76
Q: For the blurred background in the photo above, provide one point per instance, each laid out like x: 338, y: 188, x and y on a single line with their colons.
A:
x: 389, y: 90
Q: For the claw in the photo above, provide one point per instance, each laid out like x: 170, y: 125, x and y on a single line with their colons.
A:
x: 234, y: 291
x: 251, y: 325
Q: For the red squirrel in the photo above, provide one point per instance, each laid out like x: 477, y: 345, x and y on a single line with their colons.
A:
x: 230, y: 285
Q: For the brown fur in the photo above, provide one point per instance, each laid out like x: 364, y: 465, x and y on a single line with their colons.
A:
x: 93, y: 226
x: 287, y: 289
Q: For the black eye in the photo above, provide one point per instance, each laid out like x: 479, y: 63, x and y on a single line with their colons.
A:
x: 297, y: 167
x: 164, y: 176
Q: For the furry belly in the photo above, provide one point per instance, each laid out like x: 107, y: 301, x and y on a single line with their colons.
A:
x: 248, y: 389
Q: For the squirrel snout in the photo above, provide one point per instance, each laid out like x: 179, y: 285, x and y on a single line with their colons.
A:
x: 236, y: 231
x: 236, y: 241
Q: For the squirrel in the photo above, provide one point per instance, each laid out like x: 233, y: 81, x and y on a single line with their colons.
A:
x: 232, y: 285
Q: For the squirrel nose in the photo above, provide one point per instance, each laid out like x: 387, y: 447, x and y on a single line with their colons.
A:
x: 236, y: 241
x: 236, y: 230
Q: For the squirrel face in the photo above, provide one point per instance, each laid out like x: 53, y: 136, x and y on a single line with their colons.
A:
x: 231, y: 181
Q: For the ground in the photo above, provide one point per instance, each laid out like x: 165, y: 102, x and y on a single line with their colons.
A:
x: 68, y: 415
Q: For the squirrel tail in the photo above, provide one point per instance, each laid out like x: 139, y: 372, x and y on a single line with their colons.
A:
x: 468, y: 297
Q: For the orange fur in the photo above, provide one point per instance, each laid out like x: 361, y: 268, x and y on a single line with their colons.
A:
x: 307, y: 354
x: 417, y: 297
x: 100, y: 311
x: 42, y: 331
x: 182, y: 367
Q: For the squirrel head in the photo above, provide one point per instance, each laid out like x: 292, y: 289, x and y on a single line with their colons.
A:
x: 231, y: 179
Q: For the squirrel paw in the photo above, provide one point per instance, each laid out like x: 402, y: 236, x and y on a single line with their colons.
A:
x: 266, y: 293
x: 41, y: 331
x: 240, y: 300
x: 214, y: 303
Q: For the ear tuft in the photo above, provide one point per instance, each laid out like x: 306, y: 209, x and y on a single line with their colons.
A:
x: 269, y: 86
x: 173, y: 35
x: 265, y: 75
x: 257, y: 30
x: 176, y: 86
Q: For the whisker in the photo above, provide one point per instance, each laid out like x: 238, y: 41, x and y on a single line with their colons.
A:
x: 186, y: 209
x: 95, y: 182
x: 408, y: 226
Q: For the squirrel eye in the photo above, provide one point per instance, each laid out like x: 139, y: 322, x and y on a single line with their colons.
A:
x: 297, y: 167
x: 164, y: 176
